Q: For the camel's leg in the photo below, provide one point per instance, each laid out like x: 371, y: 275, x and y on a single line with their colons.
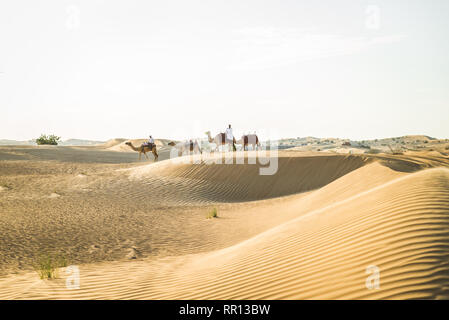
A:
x: 155, y: 154
x: 146, y: 156
x: 140, y: 155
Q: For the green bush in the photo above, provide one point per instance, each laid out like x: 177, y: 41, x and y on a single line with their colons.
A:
x: 47, y: 266
x: 213, y: 214
x: 50, y: 139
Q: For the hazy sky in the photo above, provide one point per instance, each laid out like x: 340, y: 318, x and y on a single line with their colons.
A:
x: 174, y: 69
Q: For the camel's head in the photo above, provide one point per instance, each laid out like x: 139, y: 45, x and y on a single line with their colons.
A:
x: 128, y: 143
x: 171, y: 144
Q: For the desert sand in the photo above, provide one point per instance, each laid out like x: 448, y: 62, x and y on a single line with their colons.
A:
x: 138, y: 230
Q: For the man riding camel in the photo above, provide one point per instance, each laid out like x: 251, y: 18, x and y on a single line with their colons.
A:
x: 230, y: 137
x: 150, y: 142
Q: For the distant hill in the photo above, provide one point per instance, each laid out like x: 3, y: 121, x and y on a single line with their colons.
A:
x: 69, y: 142
x: 79, y: 142
x: 6, y: 142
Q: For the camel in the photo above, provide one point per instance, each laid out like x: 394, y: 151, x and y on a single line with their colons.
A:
x: 189, y: 146
x: 220, y: 140
x: 249, y: 139
x: 144, y: 149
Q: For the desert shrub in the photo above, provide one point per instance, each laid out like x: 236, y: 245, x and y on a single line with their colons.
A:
x: 47, y: 266
x: 212, y: 214
x: 50, y: 139
x: 5, y: 186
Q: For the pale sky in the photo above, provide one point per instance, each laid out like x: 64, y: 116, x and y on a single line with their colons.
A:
x: 175, y: 69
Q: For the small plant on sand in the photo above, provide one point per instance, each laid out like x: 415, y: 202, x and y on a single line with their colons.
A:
x: 47, y: 266
x: 5, y: 186
x: 212, y: 214
x: 50, y: 139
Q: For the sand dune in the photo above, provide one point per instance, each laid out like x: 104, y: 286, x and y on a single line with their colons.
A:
x: 310, y: 231
x: 111, y: 142
x: 205, y: 182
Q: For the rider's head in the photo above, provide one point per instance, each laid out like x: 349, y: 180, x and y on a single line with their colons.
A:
x: 229, y: 126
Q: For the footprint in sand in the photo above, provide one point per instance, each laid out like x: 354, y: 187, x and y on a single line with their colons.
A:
x: 93, y: 248
x: 54, y: 195
x: 133, y: 253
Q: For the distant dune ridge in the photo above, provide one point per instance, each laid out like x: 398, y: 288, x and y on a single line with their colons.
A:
x: 110, y: 143
x: 68, y: 142
x: 314, y: 230
x: 121, y: 146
